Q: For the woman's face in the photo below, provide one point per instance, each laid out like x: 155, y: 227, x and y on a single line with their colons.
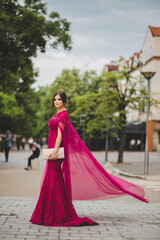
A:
x: 58, y: 103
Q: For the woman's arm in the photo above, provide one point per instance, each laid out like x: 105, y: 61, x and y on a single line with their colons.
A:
x: 54, y: 154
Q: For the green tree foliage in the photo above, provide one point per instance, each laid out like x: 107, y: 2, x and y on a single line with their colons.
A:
x: 9, y: 109
x: 26, y: 29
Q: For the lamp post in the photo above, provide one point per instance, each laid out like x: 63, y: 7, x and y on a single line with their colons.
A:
x: 148, y: 76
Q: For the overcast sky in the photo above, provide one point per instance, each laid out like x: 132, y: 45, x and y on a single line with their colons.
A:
x: 102, y: 30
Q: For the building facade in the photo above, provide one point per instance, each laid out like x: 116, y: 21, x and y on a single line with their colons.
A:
x: 148, y: 59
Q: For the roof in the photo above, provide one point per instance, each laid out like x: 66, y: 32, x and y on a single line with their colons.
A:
x: 155, y: 31
x: 137, y: 54
x: 112, y: 67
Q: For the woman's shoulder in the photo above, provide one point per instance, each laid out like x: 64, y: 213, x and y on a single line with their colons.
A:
x: 62, y: 116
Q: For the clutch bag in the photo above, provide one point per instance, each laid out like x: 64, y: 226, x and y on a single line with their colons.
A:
x: 47, y: 152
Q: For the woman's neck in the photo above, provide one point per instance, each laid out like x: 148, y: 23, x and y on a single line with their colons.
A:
x: 60, y: 109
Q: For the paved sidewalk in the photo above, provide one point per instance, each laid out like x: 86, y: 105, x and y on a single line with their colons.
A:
x: 118, y: 220
x: 133, y: 161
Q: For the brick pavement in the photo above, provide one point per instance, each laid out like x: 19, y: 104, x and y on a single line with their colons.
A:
x: 118, y: 220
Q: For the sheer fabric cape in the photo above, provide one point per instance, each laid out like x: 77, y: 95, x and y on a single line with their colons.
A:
x: 84, y: 177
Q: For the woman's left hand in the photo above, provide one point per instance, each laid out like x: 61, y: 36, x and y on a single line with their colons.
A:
x: 53, y: 155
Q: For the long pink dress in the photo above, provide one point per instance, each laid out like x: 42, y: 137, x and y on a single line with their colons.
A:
x: 80, y: 177
x: 54, y: 206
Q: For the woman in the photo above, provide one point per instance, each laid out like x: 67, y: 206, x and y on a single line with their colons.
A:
x: 80, y: 178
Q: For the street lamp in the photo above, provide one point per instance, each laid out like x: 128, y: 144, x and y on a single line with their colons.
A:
x: 148, y: 76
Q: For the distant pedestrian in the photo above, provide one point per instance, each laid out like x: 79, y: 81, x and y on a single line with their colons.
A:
x: 30, y: 142
x: 7, y: 143
x: 18, y: 141
x: 138, y: 144
x: 35, y: 154
x: 41, y: 142
x: 132, y: 144
x: 23, y: 142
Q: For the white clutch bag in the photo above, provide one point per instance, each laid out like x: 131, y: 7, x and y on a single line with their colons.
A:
x: 48, y: 151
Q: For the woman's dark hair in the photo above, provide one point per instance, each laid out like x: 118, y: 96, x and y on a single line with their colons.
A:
x: 63, y: 96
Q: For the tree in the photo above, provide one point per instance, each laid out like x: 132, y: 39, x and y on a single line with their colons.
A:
x: 26, y: 29
x: 121, y: 92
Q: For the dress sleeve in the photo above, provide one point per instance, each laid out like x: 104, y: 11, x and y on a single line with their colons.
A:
x: 63, y: 120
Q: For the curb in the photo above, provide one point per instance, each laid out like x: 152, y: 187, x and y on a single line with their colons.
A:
x: 115, y: 171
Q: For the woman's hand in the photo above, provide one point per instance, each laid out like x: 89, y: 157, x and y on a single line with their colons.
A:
x: 53, y: 155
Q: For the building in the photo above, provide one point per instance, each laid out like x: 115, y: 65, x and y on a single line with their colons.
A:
x: 148, y: 59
